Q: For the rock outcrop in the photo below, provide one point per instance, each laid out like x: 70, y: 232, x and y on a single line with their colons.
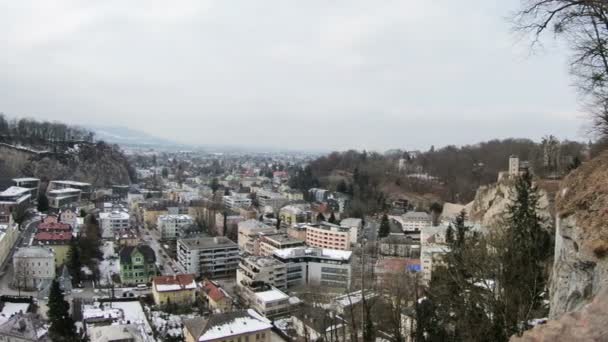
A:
x: 581, y: 244
x: 588, y: 324
x: 100, y: 164
x: 491, y: 202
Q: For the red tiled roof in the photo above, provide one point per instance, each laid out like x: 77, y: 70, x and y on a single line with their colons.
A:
x: 213, y: 291
x: 54, y: 226
x: 47, y: 236
x: 176, y: 282
x: 49, y: 219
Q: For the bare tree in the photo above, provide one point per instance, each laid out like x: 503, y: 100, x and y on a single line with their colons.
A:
x: 584, y: 25
x: 21, y: 275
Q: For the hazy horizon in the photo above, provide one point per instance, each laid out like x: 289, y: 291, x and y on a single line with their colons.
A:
x: 303, y: 76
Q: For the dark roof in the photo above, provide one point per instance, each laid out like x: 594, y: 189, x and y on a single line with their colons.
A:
x: 148, y: 253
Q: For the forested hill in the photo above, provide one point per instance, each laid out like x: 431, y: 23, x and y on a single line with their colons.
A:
x: 52, y: 150
x: 450, y: 173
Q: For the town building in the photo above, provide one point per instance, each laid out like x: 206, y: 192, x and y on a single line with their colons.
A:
x: 171, y: 226
x: 70, y: 217
x: 32, y: 266
x: 230, y: 326
x: 293, y: 214
x: 331, y: 236
x: 208, y: 256
x: 316, y: 266
x: 58, y: 241
x: 271, y: 243
x: 249, y: 234
x: 33, y: 184
x: 85, y: 188
x: 433, y: 247
x: 112, y: 222
x: 17, y: 195
x: 64, y: 198
x: 218, y: 299
x: 9, y: 233
x: 115, y: 333
x: 137, y: 264
x: 266, y: 269
x: 236, y: 200
x: 24, y: 327
x: 267, y: 300
x: 176, y: 289
x: 271, y: 199
x: 413, y: 221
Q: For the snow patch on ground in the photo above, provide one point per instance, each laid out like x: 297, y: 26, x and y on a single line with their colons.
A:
x: 10, y: 309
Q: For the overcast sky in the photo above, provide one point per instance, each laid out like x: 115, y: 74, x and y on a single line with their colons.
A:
x: 318, y: 74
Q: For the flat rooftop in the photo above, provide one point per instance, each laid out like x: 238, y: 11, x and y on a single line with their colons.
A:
x: 282, y: 238
x: 208, y: 242
x: 14, y: 191
x: 69, y: 182
x: 262, y: 261
x: 26, y: 179
x: 323, y: 253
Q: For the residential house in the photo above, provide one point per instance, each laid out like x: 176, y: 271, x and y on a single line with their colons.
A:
x: 177, y: 289
x: 59, y: 242
x: 137, y: 264
x: 33, y: 266
x: 219, y: 300
x: 230, y: 326
x: 69, y: 216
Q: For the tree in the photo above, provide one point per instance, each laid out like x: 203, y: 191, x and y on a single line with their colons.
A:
x: 385, y: 227
x: 584, y: 26
x: 332, y: 218
x: 19, y: 214
x: 21, y: 275
x: 43, y: 202
x: 74, y: 261
x: 62, y: 325
x: 320, y: 217
x: 164, y: 172
x: 215, y: 185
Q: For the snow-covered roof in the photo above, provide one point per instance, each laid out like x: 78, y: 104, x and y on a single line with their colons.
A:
x: 246, y: 323
x: 174, y: 283
x: 26, y: 179
x: 272, y: 295
x: 14, y: 191
x: 325, y: 253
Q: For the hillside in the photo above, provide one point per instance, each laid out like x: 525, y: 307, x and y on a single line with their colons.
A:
x: 58, y: 151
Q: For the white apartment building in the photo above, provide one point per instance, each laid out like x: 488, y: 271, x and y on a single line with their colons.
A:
x: 64, y: 197
x: 85, y: 188
x: 249, y: 233
x: 271, y: 243
x: 413, y: 221
x: 261, y: 269
x: 112, y: 222
x: 208, y: 256
x: 170, y: 226
x: 32, y: 266
x: 268, y: 301
x: 70, y: 217
x: 316, y: 266
x: 331, y: 236
x: 432, y: 248
x: 236, y: 201
x: 272, y: 199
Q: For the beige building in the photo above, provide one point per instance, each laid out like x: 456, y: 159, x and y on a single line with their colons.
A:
x: 9, y: 232
x: 262, y: 269
x: 249, y: 235
x: 327, y: 235
x: 219, y: 300
x: 271, y: 243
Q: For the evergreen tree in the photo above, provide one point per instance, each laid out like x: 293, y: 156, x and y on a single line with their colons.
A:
x: 215, y: 185
x: 449, y: 235
x: 332, y: 218
x: 320, y: 217
x: 531, y: 247
x: 62, y: 325
x: 43, y: 202
x: 385, y: 227
x: 74, y: 261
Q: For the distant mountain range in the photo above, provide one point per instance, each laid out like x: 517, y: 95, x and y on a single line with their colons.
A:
x: 130, y: 137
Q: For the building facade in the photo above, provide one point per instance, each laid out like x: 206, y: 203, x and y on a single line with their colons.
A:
x: 316, y: 266
x: 137, y: 264
x: 171, y: 226
x: 177, y: 289
x: 208, y: 256
x: 33, y: 266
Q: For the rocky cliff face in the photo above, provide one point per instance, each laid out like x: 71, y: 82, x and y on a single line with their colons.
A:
x: 491, y: 202
x: 579, y: 283
x: 99, y: 164
x: 581, y: 246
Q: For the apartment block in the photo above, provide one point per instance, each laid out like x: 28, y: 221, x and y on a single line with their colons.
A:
x: 211, y: 257
x: 236, y: 201
x: 262, y: 269
x: 316, y: 266
x: 170, y: 226
x: 331, y: 236
x: 249, y: 234
x: 271, y: 243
